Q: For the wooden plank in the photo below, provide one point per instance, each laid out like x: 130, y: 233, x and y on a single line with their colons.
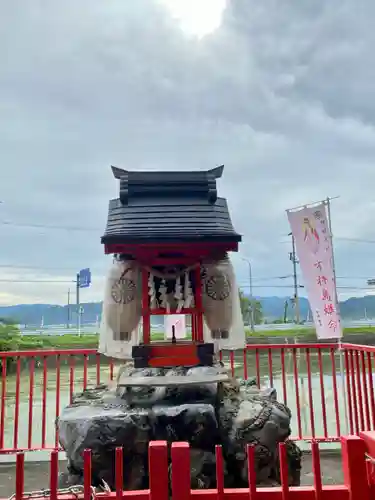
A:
x: 122, y: 245
x: 181, y: 203
x: 159, y: 214
x: 172, y: 381
x: 183, y: 360
x: 168, y: 349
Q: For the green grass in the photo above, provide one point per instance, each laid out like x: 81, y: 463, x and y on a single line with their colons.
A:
x: 31, y: 342
x: 306, y: 332
x: 91, y: 341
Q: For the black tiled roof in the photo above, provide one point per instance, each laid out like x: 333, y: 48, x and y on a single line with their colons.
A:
x: 168, y: 207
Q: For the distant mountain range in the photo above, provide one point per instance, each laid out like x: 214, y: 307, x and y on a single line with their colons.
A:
x: 354, y: 308
x: 273, y: 309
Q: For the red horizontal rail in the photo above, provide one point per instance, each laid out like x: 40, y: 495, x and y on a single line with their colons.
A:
x: 67, y: 352
x: 358, y: 347
x: 291, y: 368
x: 251, y: 347
x: 47, y: 352
x: 356, y: 484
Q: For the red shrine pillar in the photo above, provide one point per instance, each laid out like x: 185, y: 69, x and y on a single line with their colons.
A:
x: 196, y: 316
x: 146, y: 320
x: 193, y: 327
x: 198, y: 305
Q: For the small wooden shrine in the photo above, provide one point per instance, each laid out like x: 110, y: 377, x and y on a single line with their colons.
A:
x: 169, y: 224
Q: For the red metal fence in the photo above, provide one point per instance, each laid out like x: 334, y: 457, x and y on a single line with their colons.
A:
x: 307, y: 377
x: 359, y: 364
x: 357, y: 477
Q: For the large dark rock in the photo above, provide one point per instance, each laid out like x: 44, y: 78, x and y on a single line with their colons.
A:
x: 192, y: 422
x: 101, y: 419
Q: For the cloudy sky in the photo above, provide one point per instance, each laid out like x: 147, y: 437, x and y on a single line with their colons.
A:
x: 281, y: 92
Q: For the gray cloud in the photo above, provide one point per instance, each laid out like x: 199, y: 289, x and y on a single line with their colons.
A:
x: 282, y: 93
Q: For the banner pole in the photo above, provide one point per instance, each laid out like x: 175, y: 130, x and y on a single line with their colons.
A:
x: 306, y: 205
x: 339, y: 342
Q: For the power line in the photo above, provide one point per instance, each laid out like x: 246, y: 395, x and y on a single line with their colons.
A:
x: 354, y: 240
x: 43, y: 268
x: 96, y: 229
x: 302, y: 286
x: 272, y: 285
x: 344, y: 238
x: 287, y: 287
x: 352, y: 277
x: 35, y: 281
x: 103, y: 272
x: 274, y: 278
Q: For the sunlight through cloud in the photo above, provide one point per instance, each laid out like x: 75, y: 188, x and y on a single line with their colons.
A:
x: 196, y: 17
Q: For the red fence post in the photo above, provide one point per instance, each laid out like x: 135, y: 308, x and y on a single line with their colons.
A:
x: 270, y: 367
x: 349, y: 392
x: 245, y: 376
x: 87, y: 479
x: 17, y: 403
x: 219, y: 472
x: 57, y: 400
x: 158, y: 470
x: 180, y: 471
x: 354, y: 467
x: 369, y: 439
x: 282, y: 356
x: 31, y: 401
x: 231, y: 360
x: 371, y: 388
x: 317, y: 470
x: 284, y: 474
x: 3, y: 397
x: 365, y: 391
x: 257, y: 364
x: 44, y: 402
x: 335, y: 393
x: 20, y: 475
x: 251, y: 471
x: 54, y: 474
x: 119, y: 472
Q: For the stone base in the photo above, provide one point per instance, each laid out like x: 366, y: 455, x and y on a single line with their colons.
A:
x: 232, y: 415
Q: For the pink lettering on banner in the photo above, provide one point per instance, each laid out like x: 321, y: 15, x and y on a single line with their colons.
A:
x: 329, y: 309
x: 322, y: 280
x: 333, y: 324
x: 311, y: 233
x: 318, y: 265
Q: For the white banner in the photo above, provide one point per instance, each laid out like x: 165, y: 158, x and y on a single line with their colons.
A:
x: 179, y: 323
x: 311, y: 232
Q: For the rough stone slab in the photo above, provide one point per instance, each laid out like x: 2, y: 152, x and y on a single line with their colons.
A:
x: 187, y: 410
x: 102, y: 425
x: 171, y: 381
x: 194, y: 423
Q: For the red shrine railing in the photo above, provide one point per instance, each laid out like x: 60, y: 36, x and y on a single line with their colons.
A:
x: 357, y: 476
x: 328, y: 399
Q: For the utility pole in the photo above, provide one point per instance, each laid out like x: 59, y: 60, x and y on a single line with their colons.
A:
x: 293, y: 258
x: 68, y: 315
x: 78, y: 303
x: 252, y: 319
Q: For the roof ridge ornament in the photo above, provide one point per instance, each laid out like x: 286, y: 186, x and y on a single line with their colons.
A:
x: 168, y: 184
